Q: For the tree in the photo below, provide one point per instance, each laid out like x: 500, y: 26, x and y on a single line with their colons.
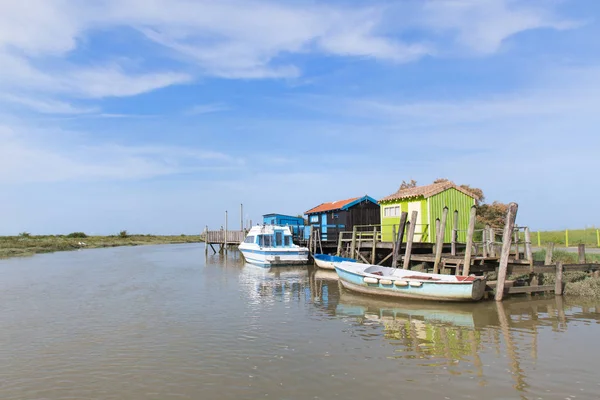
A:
x: 492, y: 214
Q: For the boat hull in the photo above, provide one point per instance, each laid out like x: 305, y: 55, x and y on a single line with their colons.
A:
x: 328, y: 262
x: 267, y: 259
x: 422, y: 290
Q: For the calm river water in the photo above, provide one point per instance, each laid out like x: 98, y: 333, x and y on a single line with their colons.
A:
x: 165, y: 322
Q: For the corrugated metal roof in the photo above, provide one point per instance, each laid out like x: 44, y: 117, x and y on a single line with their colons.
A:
x: 334, y: 205
x: 426, y: 191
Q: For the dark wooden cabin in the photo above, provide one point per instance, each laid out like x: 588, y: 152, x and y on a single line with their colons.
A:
x: 342, y: 215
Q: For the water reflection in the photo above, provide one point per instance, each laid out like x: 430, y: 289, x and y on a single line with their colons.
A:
x: 265, y: 285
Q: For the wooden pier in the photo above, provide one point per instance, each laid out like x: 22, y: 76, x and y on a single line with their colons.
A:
x: 223, y: 239
x: 504, y: 252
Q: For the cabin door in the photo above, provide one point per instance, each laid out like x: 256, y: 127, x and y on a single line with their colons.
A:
x: 416, y: 206
x: 324, y: 227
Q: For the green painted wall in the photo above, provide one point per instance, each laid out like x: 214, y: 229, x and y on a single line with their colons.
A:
x: 454, y: 200
x: 388, y: 223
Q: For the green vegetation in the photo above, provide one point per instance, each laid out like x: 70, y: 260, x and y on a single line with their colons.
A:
x: 576, y: 236
x: 566, y: 257
x: 27, y: 245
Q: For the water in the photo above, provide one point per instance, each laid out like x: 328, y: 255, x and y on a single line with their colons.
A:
x: 164, y: 322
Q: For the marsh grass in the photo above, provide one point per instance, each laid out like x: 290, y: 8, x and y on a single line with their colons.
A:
x: 18, y: 246
x: 576, y: 236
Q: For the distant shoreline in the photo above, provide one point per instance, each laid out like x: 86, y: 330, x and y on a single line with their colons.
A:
x: 24, y: 246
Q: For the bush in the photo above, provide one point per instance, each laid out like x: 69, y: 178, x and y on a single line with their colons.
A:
x: 25, y: 234
x: 77, y: 235
x: 123, y: 234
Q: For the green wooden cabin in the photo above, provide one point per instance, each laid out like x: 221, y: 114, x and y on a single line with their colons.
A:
x: 429, y: 201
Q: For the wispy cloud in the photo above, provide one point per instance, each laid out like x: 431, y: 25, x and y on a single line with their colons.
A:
x: 46, y: 106
x: 206, y: 108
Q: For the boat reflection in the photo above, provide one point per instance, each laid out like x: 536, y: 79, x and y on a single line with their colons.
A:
x: 267, y: 285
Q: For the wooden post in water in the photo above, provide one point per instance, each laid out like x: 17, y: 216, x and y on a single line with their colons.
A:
x: 549, y: 253
x: 492, y: 238
x: 528, y: 249
x: 558, y: 288
x: 437, y: 231
x: 241, y: 217
x: 440, y: 241
x: 399, y: 237
x: 353, y: 243
x: 225, y: 240
x: 454, y: 233
x: 340, y: 244
x: 516, y: 240
x: 484, y: 241
x: 509, y: 227
x: 393, y: 240
x: 374, y: 246
x: 206, y: 240
x: 469, y: 248
x: 581, y: 253
x: 410, y: 238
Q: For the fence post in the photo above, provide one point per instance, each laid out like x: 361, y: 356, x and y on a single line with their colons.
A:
x: 549, y: 251
x: 539, y: 240
x: 598, y: 237
x: 528, y: 250
x: 353, y: 243
x: 509, y: 226
x: 566, y: 238
x: 581, y: 253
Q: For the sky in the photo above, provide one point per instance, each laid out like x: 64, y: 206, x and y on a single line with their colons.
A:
x: 157, y: 116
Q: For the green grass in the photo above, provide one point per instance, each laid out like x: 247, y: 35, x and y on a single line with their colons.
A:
x: 27, y: 245
x: 565, y: 257
x: 576, y: 236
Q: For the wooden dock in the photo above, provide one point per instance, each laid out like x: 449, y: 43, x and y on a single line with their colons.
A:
x: 223, y: 239
x: 504, y: 252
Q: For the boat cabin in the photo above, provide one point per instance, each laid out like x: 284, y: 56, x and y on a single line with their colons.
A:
x: 270, y: 236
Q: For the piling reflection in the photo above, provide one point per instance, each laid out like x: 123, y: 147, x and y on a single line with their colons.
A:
x: 459, y: 337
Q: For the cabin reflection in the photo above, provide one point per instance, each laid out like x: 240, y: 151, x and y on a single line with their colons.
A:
x: 458, y: 336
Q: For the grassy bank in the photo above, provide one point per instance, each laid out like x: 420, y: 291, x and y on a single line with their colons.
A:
x: 589, y: 237
x: 27, y: 245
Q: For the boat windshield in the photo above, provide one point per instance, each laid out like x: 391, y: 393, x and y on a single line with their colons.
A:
x: 288, y: 241
x: 265, y: 241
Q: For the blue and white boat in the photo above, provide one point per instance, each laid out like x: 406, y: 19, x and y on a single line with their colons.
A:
x: 326, y: 261
x: 395, y: 282
x: 272, y: 246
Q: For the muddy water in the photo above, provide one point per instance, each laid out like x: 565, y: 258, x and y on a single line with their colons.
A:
x: 164, y: 322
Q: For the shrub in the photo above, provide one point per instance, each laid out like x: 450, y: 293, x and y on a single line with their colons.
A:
x: 25, y: 234
x: 77, y: 235
x: 123, y: 234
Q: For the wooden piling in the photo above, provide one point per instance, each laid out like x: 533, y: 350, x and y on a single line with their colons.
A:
x: 469, y: 248
x: 437, y: 232
x: 516, y: 241
x: 492, y: 238
x: 340, y: 243
x: 225, y: 231
x: 353, y: 243
x: 374, y: 246
x: 206, y: 240
x: 454, y: 233
x: 558, y: 288
x: 528, y: 249
x: 439, y: 246
x: 399, y: 238
x: 484, y: 242
x: 549, y: 253
x: 581, y: 253
x: 509, y: 226
x: 410, y: 238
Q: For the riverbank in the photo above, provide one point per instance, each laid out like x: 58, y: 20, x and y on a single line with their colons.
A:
x: 23, y: 246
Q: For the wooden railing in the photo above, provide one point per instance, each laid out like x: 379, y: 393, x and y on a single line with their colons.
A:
x: 225, y: 237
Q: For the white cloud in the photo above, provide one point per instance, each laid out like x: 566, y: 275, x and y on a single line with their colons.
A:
x: 482, y: 26
x: 46, y: 106
x: 27, y: 158
x: 206, y: 108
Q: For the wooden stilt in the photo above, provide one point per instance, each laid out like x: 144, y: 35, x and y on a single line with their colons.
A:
x: 439, y: 246
x: 528, y: 249
x: 484, y: 242
x: 410, y: 238
x: 353, y: 243
x: 558, y: 289
x: 509, y: 226
x: 549, y: 253
x: 454, y: 233
x: 399, y: 237
x: 340, y: 241
x: 374, y: 246
x: 469, y: 248
x: 581, y: 253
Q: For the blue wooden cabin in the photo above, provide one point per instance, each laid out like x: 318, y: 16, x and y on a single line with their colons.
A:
x: 296, y: 224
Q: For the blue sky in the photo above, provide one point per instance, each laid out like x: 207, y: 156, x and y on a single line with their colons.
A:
x: 156, y: 116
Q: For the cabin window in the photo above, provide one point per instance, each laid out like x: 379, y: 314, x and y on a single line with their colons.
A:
x: 288, y: 241
x: 249, y: 239
x: 314, y: 218
x: 336, y: 216
x: 267, y: 242
x: 278, y: 239
x: 393, y: 211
